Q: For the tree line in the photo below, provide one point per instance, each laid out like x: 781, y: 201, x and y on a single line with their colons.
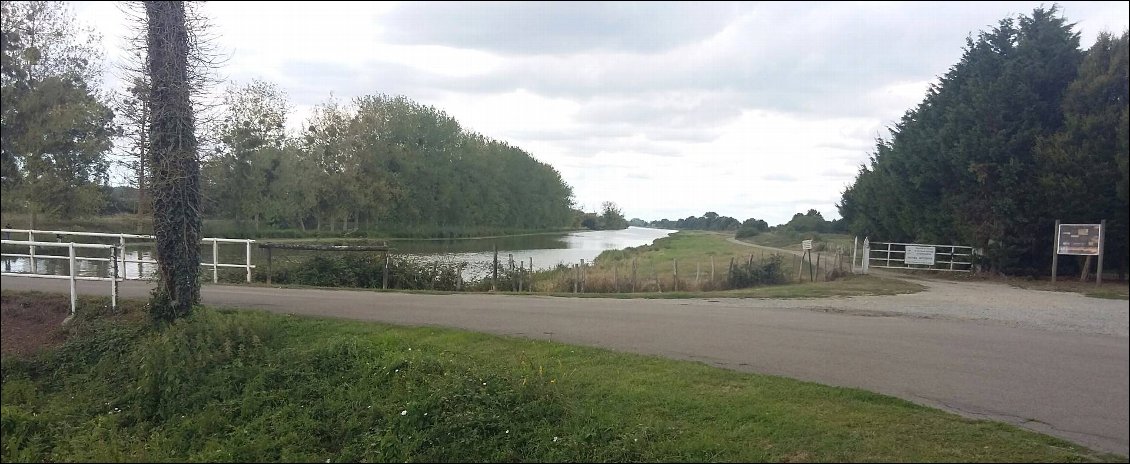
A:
x: 1025, y: 129
x: 378, y: 163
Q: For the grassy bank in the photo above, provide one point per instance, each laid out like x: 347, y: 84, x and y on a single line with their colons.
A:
x: 249, y: 386
x: 702, y: 260
x: 790, y: 240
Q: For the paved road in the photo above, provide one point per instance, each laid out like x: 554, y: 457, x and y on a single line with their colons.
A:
x: 1071, y: 382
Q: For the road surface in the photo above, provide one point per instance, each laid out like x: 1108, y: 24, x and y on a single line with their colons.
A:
x: 979, y: 350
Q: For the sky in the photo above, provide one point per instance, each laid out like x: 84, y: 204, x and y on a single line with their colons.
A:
x: 668, y: 109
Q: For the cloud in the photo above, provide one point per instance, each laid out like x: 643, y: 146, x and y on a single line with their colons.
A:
x: 538, y: 28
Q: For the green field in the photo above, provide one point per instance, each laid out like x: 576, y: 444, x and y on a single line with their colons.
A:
x: 250, y: 386
x: 703, y: 260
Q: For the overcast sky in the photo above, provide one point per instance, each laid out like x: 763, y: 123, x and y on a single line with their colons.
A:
x: 668, y: 109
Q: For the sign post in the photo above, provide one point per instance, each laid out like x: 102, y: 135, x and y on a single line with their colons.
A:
x: 1081, y: 240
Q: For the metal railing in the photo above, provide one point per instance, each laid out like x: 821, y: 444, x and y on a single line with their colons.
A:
x: 122, y: 258
x: 72, y: 268
x: 893, y: 255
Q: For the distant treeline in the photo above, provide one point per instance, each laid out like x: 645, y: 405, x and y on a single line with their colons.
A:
x: 381, y: 163
x: 1026, y: 129
x: 811, y: 221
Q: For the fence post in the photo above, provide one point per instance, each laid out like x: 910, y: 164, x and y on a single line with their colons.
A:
x: 576, y: 278
x: 583, y: 275
x: 114, y: 278
x: 122, y: 244
x: 633, y: 275
x: 249, y: 260
x: 854, y: 247
x: 1055, y: 250
x: 1102, y: 249
x: 384, y: 280
x: 31, y: 248
x: 269, y: 269
x: 72, y: 269
x: 215, y: 255
x: 675, y: 281
x: 494, y: 271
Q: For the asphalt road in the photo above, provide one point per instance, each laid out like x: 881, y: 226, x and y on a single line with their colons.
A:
x: 1071, y: 383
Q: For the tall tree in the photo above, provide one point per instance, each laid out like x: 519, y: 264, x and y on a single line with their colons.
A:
x: 56, y: 126
x: 1084, y: 166
x: 960, y: 168
x: 175, y: 163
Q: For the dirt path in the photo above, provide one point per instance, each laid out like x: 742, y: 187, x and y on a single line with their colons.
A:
x: 975, y: 352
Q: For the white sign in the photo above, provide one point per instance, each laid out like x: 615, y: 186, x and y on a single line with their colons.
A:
x: 919, y: 255
x: 806, y: 245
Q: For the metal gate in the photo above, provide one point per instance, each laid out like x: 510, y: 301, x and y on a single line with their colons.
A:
x: 927, y: 257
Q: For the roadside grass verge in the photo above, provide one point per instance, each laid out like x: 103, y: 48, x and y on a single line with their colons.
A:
x: 851, y: 285
x: 239, y: 386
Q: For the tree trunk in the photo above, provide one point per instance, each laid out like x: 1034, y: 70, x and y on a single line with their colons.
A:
x: 176, y: 167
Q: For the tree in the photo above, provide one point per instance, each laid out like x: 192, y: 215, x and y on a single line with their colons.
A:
x: 1083, y: 167
x: 56, y: 127
x: 174, y: 158
x: 611, y: 218
x: 252, y: 135
x: 960, y: 167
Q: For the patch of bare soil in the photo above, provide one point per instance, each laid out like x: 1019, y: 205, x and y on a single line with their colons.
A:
x: 30, y: 323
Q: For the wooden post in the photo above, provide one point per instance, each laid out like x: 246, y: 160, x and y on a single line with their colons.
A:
x: 1102, y: 249
x: 655, y: 273
x: 675, y: 283
x: 634, y: 267
x: 576, y: 279
x: 521, y: 272
x: 269, y: 272
x: 494, y: 271
x: 697, y: 272
x: 1055, y: 249
x: 818, y: 267
x: 583, y: 275
x: 435, y: 273
x: 730, y: 273
x: 799, y: 262
x: 1086, y: 267
x: 384, y: 280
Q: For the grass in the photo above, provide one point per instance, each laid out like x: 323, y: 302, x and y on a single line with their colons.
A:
x: 852, y: 285
x: 790, y: 240
x: 693, y: 251
x: 250, y: 386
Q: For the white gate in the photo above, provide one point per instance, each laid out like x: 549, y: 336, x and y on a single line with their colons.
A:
x: 927, y: 257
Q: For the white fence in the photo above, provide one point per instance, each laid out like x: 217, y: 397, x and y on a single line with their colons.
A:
x: 122, y: 257
x: 72, y: 268
x: 918, y: 256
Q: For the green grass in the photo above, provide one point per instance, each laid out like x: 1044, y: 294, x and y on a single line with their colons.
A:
x: 693, y: 251
x: 251, y: 386
x: 790, y: 240
x: 852, y: 285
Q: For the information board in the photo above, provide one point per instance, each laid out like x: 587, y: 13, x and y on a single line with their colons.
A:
x: 1078, y: 239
